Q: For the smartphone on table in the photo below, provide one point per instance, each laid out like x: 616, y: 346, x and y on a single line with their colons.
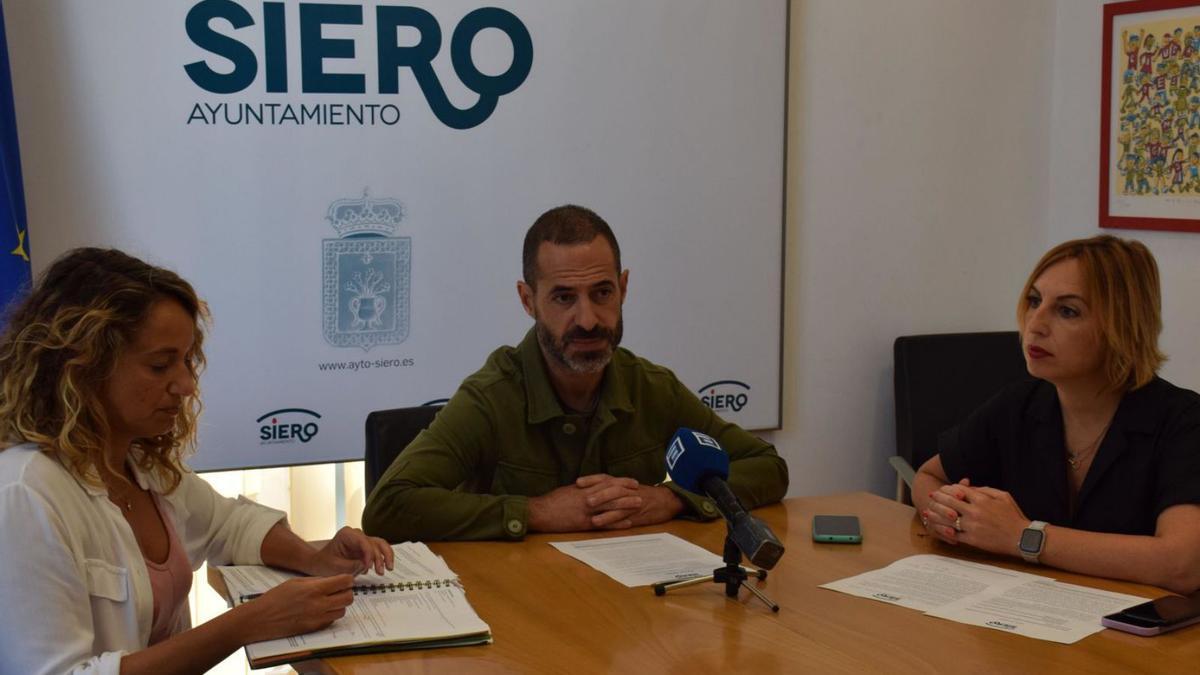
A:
x: 836, y: 529
x: 1158, y: 616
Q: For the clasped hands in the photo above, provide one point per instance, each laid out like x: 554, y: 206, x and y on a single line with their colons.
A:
x: 601, y: 501
x: 983, y: 517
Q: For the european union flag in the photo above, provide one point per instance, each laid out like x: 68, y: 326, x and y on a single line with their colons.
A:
x: 14, y: 240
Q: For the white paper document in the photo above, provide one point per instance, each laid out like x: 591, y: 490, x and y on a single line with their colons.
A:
x: 1045, y: 609
x: 923, y: 582
x: 988, y: 596
x: 414, y: 565
x: 418, y: 603
x: 643, y: 559
x: 395, y: 618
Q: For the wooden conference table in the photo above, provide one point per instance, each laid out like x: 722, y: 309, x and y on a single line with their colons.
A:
x: 552, y: 614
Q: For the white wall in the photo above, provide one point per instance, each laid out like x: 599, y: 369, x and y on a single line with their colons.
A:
x: 917, y: 196
x: 937, y: 148
x: 1074, y: 184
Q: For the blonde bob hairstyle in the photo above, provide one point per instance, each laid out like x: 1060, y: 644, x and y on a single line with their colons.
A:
x: 59, y: 347
x: 1120, y: 279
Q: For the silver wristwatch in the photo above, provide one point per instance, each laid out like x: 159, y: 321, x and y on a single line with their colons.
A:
x: 1033, y: 540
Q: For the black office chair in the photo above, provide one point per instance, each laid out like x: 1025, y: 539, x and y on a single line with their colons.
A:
x: 389, y: 432
x: 940, y: 379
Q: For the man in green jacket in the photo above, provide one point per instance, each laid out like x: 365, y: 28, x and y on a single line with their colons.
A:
x: 566, y: 431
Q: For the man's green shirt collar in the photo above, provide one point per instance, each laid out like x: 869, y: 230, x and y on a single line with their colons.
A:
x: 543, y: 404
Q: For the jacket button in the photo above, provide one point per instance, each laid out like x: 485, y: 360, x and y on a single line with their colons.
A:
x: 515, y: 526
x: 568, y: 428
x: 708, y: 508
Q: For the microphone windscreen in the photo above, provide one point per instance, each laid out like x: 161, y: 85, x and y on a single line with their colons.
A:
x: 693, y: 456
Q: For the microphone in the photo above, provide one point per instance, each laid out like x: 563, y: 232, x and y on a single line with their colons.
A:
x: 698, y: 463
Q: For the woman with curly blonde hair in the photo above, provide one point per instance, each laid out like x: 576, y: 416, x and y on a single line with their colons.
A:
x: 103, y: 524
x: 1093, y: 466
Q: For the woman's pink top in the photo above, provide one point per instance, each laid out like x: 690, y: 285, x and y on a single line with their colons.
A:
x: 170, y: 580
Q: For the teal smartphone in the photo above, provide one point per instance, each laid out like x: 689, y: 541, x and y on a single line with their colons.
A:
x: 836, y: 529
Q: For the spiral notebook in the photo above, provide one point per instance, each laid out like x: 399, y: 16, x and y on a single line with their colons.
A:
x: 420, y: 604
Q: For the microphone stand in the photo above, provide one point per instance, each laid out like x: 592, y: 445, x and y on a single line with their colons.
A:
x: 733, y: 575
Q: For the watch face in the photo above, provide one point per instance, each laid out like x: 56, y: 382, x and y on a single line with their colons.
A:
x: 1031, y: 541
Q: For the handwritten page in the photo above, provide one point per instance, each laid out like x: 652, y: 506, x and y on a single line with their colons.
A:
x: 643, y: 559
x: 988, y: 596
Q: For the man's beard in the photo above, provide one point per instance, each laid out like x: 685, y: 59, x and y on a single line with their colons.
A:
x: 582, y: 363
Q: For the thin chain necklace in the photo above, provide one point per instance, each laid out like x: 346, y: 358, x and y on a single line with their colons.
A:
x: 1076, y: 459
x: 124, y: 499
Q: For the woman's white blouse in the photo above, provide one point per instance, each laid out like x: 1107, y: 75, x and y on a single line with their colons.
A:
x: 74, y: 591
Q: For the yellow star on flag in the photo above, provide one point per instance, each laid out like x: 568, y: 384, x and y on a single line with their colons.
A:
x: 20, y: 249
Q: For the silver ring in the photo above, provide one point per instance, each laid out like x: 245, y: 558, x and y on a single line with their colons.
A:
x: 958, y: 524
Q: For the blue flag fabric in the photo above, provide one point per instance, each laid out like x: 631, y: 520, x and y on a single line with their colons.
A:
x: 14, y: 235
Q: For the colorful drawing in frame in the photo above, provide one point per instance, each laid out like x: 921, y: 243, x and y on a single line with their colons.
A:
x: 1150, y: 127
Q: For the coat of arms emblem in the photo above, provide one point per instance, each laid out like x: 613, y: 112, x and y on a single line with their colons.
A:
x: 365, y: 274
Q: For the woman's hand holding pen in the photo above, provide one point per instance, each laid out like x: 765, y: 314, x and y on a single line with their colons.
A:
x: 310, y: 603
x: 296, y: 606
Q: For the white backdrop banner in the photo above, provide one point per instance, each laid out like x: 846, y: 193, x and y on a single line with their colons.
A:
x: 348, y: 184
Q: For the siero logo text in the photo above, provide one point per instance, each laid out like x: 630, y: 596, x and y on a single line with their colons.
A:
x: 725, y: 395
x: 317, y: 56
x: 288, y: 425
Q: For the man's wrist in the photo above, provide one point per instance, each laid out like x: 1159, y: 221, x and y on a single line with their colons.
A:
x: 694, y: 505
x: 676, y: 503
x: 521, y: 515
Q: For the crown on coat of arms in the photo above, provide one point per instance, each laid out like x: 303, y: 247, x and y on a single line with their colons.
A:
x: 365, y: 216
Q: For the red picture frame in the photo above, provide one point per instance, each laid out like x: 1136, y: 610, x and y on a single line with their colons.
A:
x: 1150, y: 116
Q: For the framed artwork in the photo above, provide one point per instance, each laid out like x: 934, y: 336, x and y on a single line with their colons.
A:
x: 1150, y: 116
